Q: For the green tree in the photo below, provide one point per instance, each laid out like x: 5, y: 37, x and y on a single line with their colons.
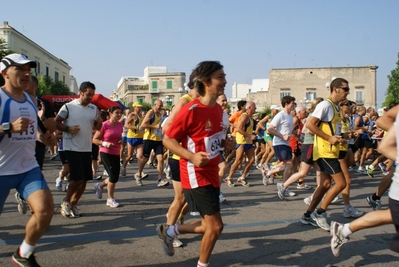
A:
x: 4, y: 51
x: 48, y: 87
x: 393, y: 87
x: 146, y: 106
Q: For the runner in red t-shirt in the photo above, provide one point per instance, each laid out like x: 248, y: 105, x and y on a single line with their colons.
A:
x: 199, y: 128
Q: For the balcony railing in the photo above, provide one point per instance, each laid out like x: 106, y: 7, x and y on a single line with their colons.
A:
x: 153, y: 90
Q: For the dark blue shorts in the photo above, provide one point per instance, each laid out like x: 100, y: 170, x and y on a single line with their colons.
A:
x: 283, y: 152
x: 135, y: 141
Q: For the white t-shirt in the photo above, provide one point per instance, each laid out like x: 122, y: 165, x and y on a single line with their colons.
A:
x: 283, y: 122
x: 17, y: 153
x: 77, y: 114
x: 226, y: 125
x: 325, y: 112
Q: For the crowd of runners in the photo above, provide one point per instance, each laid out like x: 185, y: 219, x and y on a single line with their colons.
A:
x: 197, y: 147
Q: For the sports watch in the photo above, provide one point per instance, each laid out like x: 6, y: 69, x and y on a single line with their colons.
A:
x: 6, y: 126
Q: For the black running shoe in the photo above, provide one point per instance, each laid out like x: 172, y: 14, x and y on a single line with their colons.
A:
x: 24, y: 262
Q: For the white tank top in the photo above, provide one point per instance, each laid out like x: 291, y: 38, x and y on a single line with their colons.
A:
x: 17, y: 153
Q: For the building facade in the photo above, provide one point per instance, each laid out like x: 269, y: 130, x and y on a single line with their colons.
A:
x: 156, y: 83
x: 305, y: 84
x: 47, y: 63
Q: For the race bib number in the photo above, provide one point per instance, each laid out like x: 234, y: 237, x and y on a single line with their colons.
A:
x: 28, y: 135
x: 338, y: 127
x: 158, y: 132
x: 213, y: 144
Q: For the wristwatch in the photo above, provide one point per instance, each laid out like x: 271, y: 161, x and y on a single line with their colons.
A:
x: 6, y: 126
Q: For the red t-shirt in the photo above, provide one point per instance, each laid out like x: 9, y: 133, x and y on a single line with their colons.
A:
x: 199, y: 128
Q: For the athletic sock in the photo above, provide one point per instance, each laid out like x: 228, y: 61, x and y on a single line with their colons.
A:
x: 346, y: 231
x: 307, y: 213
x: 320, y: 211
x: 172, y: 230
x: 375, y: 197
x: 201, y: 264
x: 25, y: 250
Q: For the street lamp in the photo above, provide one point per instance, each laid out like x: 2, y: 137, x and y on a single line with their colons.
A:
x: 186, y: 88
x: 181, y: 90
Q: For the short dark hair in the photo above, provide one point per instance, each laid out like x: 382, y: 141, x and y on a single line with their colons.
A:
x: 286, y: 100
x: 241, y: 103
x: 203, y: 72
x: 84, y: 85
x: 113, y: 108
x: 336, y: 83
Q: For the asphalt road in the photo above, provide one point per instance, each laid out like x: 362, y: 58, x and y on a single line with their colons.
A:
x: 260, y: 229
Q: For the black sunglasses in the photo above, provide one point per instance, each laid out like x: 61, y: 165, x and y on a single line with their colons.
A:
x: 346, y: 89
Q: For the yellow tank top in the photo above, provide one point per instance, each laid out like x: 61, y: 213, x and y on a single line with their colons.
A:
x: 135, y: 133
x: 249, y: 126
x: 189, y: 99
x: 345, y: 128
x: 322, y: 148
x: 153, y: 134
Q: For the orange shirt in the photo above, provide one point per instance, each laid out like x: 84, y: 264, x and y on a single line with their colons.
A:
x: 234, y: 120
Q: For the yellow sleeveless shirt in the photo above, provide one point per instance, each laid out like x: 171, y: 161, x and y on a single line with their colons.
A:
x: 249, y: 126
x: 322, y: 148
x: 135, y: 133
x: 153, y: 134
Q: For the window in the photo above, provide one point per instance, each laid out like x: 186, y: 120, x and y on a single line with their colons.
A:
x: 56, y: 76
x: 63, y: 79
x: 47, y: 71
x: 154, y: 84
x: 310, y: 96
x: 153, y: 100
x: 37, y: 70
x: 285, y: 93
x: 140, y: 99
x: 169, y: 84
x: 359, y: 98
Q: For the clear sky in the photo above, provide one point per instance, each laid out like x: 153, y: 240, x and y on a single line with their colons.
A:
x: 105, y: 40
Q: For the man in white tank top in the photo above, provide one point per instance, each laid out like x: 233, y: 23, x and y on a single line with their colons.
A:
x: 18, y: 166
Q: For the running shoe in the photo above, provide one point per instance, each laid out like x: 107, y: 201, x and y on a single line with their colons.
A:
x: 138, y: 179
x: 52, y: 157
x: 75, y: 212
x: 361, y: 170
x: 162, y: 182
x: 375, y: 204
x: 58, y: 184
x: 264, y: 178
x: 280, y: 190
x: 167, y: 241
x: 19, y: 261
x: 221, y: 198
x: 308, y: 200
x: 65, y: 209
x: 97, y: 176
x: 321, y: 220
x: 105, y: 173
x: 308, y: 220
x: 123, y: 172
x: 99, y: 191
x: 177, y: 243
x: 167, y: 172
x: 352, y: 212
x: 144, y: 175
x: 112, y: 203
x: 289, y: 193
x: 337, y: 239
x: 229, y: 182
x: 243, y: 182
x: 303, y: 186
x: 370, y: 170
x: 121, y: 162
x: 66, y: 187
x: 22, y: 206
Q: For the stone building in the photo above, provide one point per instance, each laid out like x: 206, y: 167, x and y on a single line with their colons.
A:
x: 305, y: 84
x: 47, y: 63
x: 156, y: 83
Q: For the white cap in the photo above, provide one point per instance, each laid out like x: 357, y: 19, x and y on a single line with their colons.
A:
x: 16, y: 60
x: 274, y: 107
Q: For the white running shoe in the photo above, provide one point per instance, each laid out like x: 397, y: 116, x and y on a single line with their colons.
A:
x: 58, y: 183
x: 112, y: 203
x: 99, y: 191
x: 308, y: 200
x: 221, y: 198
x: 22, y: 206
x: 123, y: 172
x: 162, y: 182
x: 352, y: 212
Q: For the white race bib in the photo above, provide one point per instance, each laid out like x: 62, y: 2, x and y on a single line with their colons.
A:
x: 213, y: 144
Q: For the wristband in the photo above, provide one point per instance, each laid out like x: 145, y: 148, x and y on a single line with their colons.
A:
x: 105, y: 144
